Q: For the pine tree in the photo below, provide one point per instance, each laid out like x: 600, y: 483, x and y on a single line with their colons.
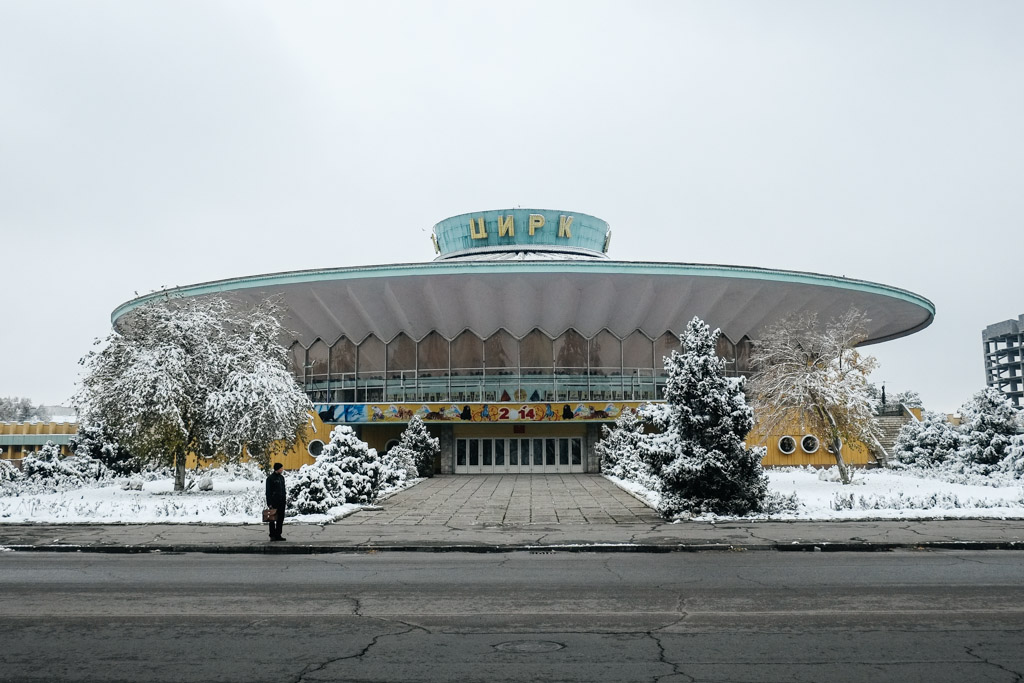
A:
x: 928, y: 443
x: 93, y: 441
x: 619, y: 449
x: 989, y: 425
x: 417, y: 439
x: 698, y: 455
x: 348, y: 471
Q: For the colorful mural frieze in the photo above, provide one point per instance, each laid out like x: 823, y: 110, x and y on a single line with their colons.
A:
x: 336, y: 413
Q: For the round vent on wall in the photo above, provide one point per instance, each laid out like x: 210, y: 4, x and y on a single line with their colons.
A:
x: 787, y: 445
x: 809, y: 443
x: 315, y: 448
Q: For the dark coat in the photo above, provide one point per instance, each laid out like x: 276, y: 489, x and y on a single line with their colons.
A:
x: 277, y: 496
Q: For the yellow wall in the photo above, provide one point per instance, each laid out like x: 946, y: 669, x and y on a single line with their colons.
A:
x: 378, y: 435
x: 298, y: 455
x: 40, y: 430
x: 854, y: 453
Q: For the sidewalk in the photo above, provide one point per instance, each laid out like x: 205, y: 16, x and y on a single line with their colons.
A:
x: 568, y: 513
x: 686, y: 536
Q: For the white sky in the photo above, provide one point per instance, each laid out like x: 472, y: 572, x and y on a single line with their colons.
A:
x: 150, y: 144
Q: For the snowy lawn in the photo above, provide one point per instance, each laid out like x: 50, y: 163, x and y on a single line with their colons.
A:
x: 878, y: 494
x: 875, y: 494
x: 233, y: 500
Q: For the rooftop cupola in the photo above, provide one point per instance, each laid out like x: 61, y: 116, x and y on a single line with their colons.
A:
x: 499, y: 233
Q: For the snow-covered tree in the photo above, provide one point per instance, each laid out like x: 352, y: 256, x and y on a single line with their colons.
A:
x: 397, y: 466
x: 93, y: 441
x: 348, y: 471
x: 16, y: 409
x: 202, y: 376
x: 927, y: 443
x: 985, y: 446
x: 417, y: 439
x: 817, y: 377
x: 48, y: 466
x: 619, y: 450
x: 908, y: 398
x: 9, y: 474
x: 698, y: 454
x: 989, y: 426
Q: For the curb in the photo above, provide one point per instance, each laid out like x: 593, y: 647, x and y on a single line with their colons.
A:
x: 310, y: 549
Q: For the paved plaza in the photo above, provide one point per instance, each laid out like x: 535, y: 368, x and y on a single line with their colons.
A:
x: 473, y: 500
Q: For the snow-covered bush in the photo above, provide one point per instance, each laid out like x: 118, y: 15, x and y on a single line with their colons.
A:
x: 698, y: 455
x: 989, y: 427
x: 927, y: 443
x: 348, y: 471
x: 87, y: 468
x: 416, y: 439
x: 94, y: 441
x: 234, y: 471
x: 46, y: 463
x: 398, y: 465
x: 47, y: 470
x: 619, y: 450
x: 985, y: 448
x: 9, y: 474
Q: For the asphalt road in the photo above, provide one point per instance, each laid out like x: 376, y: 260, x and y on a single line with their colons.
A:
x: 765, y: 616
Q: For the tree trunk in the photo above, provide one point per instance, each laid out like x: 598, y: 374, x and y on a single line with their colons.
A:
x: 837, y: 447
x: 837, y: 450
x: 179, y: 471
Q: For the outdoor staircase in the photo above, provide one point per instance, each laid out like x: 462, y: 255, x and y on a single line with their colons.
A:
x: 889, y: 424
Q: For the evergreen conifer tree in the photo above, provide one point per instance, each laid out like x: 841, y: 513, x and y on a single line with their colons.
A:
x: 698, y: 455
x: 417, y: 439
x: 619, y: 449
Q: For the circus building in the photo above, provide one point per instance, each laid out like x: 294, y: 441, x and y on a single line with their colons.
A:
x: 522, y: 337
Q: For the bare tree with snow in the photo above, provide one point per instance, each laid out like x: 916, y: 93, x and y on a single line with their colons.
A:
x: 195, y: 376
x: 817, y: 377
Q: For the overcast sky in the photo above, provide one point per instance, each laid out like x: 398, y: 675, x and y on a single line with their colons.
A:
x: 152, y: 144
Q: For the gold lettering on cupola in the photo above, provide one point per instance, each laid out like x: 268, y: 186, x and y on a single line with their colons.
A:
x: 506, y: 226
x: 564, y: 222
x: 536, y: 222
x: 477, y: 229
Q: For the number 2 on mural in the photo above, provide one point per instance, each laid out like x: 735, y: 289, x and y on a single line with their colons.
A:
x: 503, y: 413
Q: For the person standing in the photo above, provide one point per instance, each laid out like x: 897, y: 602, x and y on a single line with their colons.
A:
x: 277, y: 498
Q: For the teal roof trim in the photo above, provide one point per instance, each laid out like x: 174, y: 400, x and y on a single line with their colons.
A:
x: 522, y: 267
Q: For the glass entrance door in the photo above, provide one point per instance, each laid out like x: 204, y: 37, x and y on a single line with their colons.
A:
x: 546, y: 455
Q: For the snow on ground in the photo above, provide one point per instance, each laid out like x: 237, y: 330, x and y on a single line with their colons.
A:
x: 232, y: 501
x: 876, y: 494
x: 885, y: 494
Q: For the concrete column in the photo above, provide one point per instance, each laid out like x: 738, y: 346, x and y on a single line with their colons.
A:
x: 593, y: 464
x: 447, y: 437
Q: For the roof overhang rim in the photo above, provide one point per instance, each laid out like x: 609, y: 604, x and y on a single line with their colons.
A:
x: 449, y: 267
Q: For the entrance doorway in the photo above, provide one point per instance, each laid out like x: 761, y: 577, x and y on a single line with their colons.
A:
x: 538, y: 455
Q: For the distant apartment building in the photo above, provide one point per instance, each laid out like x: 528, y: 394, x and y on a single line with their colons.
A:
x: 1004, y: 358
